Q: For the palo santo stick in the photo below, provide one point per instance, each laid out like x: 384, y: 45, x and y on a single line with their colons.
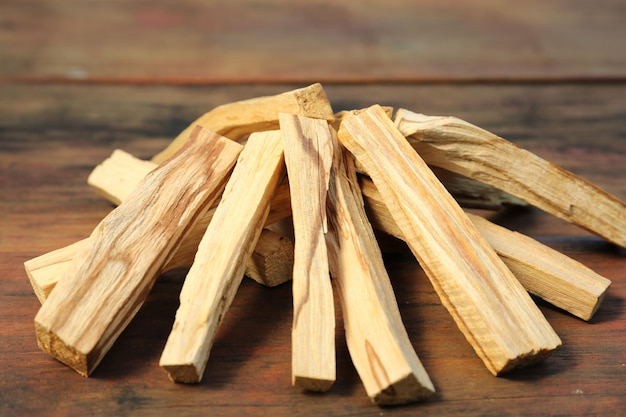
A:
x: 468, y: 150
x: 378, y: 343
x: 218, y: 268
x: 271, y: 263
x: 308, y: 156
x: 239, y: 119
x: 544, y: 272
x: 115, y: 179
x: 489, y: 305
x: 110, y: 277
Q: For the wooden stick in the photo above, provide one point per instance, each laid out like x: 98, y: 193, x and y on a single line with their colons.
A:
x: 239, y: 119
x: 544, y: 272
x: 110, y: 277
x: 378, y: 343
x: 308, y: 156
x: 271, y: 263
x: 218, y: 268
x: 115, y: 179
x: 463, y: 148
x: 489, y: 305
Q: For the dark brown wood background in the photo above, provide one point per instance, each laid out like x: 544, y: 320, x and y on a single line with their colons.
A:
x: 79, y: 79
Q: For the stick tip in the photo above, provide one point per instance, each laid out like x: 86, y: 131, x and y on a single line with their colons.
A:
x: 312, y: 384
x: 51, y: 343
x: 183, y: 374
x: 404, y: 391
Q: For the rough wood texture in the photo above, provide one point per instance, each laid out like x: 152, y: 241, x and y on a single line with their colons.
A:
x: 196, y: 42
x: 379, y: 346
x: 308, y: 156
x: 218, y: 267
x: 489, y: 305
x: 115, y: 179
x: 109, y: 279
x: 544, y: 272
x: 461, y: 147
x: 52, y: 135
x: 239, y: 119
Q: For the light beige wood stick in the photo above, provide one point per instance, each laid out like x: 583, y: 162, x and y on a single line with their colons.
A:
x: 239, y: 119
x: 110, y: 277
x: 115, y: 179
x: 308, y: 156
x: 463, y: 148
x: 218, y: 268
x: 378, y: 343
x: 544, y: 272
x: 489, y: 305
x: 271, y: 263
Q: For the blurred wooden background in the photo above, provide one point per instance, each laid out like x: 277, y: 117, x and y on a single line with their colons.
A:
x: 79, y: 79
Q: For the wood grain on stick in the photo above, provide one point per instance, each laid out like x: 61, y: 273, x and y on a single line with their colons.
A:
x: 488, y: 304
x: 308, y: 156
x: 218, y: 267
x: 238, y: 119
x: 110, y: 277
x: 543, y: 271
x: 115, y: 179
x: 379, y: 345
x: 466, y: 149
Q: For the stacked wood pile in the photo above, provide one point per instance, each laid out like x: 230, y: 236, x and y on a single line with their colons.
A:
x: 282, y: 188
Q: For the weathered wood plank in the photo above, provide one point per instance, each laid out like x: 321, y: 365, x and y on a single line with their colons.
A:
x: 193, y: 42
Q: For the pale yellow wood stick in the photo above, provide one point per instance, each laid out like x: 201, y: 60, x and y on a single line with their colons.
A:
x: 218, y: 267
x: 378, y: 343
x: 466, y: 149
x: 489, y: 305
x: 239, y: 119
x: 308, y: 156
x: 544, y: 272
x: 110, y: 277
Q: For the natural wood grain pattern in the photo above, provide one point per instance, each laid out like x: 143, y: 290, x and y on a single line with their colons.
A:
x: 461, y: 147
x: 543, y: 272
x: 51, y: 137
x: 379, y: 346
x: 271, y: 262
x: 489, y: 305
x: 242, y: 41
x: 239, y: 119
x: 115, y: 179
x: 308, y: 156
x: 110, y: 277
x: 218, y: 267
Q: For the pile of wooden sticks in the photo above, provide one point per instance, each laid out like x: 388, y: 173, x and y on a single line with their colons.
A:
x: 282, y: 188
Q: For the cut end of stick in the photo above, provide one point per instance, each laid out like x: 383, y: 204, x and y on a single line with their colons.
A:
x: 52, y: 344
x: 403, y: 391
x: 523, y: 361
x: 183, y: 374
x: 312, y: 384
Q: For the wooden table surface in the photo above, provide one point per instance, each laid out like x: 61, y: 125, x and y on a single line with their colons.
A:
x: 80, y: 79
